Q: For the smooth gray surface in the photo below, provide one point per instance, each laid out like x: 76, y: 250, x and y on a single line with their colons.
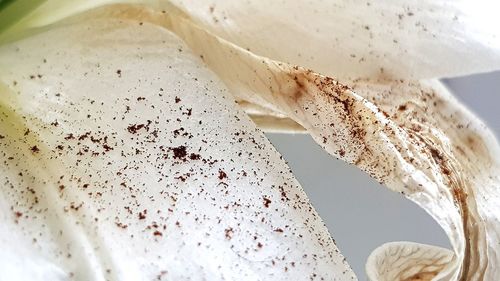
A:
x: 360, y: 213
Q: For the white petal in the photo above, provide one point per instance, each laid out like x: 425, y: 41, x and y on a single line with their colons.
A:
x: 426, y: 154
x: 468, y: 156
x: 124, y: 158
x: 352, y: 39
x: 273, y: 124
x: 406, y: 260
x: 412, y: 136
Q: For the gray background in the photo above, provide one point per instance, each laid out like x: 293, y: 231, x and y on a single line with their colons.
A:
x: 361, y: 214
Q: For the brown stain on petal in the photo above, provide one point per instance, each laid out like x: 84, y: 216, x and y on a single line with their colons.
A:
x: 421, y: 276
x: 477, y: 147
x: 458, y: 188
x: 300, y: 86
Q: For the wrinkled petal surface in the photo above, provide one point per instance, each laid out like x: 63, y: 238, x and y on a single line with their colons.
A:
x: 412, y: 136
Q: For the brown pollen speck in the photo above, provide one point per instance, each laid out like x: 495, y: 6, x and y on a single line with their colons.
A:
x: 267, y: 202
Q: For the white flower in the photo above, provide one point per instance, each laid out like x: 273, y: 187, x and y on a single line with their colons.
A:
x: 127, y: 153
